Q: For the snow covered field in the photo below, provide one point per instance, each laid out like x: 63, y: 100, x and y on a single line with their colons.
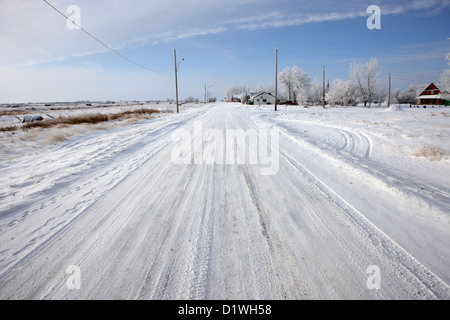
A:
x: 355, y: 190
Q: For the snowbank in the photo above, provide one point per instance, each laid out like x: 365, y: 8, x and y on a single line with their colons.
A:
x: 394, y: 108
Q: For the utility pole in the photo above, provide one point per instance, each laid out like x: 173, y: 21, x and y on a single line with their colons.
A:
x: 176, y: 78
x: 276, y: 80
x: 389, y: 97
x: 324, y: 87
x: 206, y: 93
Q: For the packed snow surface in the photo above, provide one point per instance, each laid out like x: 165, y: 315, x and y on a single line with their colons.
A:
x: 358, y: 207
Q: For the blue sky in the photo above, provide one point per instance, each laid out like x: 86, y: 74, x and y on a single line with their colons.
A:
x: 223, y: 43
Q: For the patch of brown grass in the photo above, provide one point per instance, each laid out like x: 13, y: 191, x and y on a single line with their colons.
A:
x: 13, y: 112
x: 87, y: 119
x: 8, y: 129
x: 442, y: 114
x: 62, y: 122
x: 57, y: 137
x: 130, y: 113
x: 67, y: 121
x: 431, y: 153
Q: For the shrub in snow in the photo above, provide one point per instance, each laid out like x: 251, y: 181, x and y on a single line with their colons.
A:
x: 431, y: 153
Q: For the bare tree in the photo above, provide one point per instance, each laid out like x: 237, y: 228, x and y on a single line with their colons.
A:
x: 366, y: 77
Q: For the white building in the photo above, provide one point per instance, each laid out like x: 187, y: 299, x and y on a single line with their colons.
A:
x: 262, y: 98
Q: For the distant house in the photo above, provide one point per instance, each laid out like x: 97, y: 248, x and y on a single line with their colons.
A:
x: 234, y: 99
x: 264, y: 98
x: 432, y: 95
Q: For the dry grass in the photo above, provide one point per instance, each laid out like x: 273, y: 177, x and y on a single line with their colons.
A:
x: 81, y: 119
x: 8, y: 129
x: 142, y: 113
x: 56, y: 130
x: 13, y: 112
x: 440, y: 114
x: 66, y: 121
x: 86, y: 119
x: 57, y: 137
x: 431, y: 153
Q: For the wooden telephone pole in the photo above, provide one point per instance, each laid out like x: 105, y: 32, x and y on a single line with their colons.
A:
x: 176, y: 78
x: 276, y: 80
x: 324, y: 87
x: 389, y: 97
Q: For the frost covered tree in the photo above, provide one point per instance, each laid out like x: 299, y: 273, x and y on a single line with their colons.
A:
x: 381, y: 96
x: 445, y: 80
x: 394, y: 95
x: 188, y: 99
x: 244, y: 97
x: 295, y: 83
x: 409, y: 96
x: 315, y: 95
x: 445, y: 76
x: 343, y: 93
x: 366, y: 77
x: 302, y: 84
x: 269, y: 88
x: 286, y: 78
x: 234, y: 91
x: 421, y: 88
x: 334, y: 96
x: 243, y: 91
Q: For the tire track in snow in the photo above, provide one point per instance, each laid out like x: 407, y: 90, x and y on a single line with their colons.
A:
x: 203, y: 251
x: 392, y: 178
x: 392, y: 251
x: 255, y: 201
x: 410, y: 273
x: 158, y: 274
x: 67, y: 206
x: 156, y: 235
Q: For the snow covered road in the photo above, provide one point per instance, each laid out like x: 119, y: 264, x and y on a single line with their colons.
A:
x: 138, y: 225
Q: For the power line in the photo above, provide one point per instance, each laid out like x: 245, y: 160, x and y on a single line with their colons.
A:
x: 409, y: 80
x: 99, y: 41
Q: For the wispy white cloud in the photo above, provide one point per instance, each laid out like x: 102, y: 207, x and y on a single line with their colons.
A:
x: 36, y: 62
x: 178, y: 35
x: 32, y: 33
x: 402, y: 7
x: 279, y: 19
x: 35, y: 41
